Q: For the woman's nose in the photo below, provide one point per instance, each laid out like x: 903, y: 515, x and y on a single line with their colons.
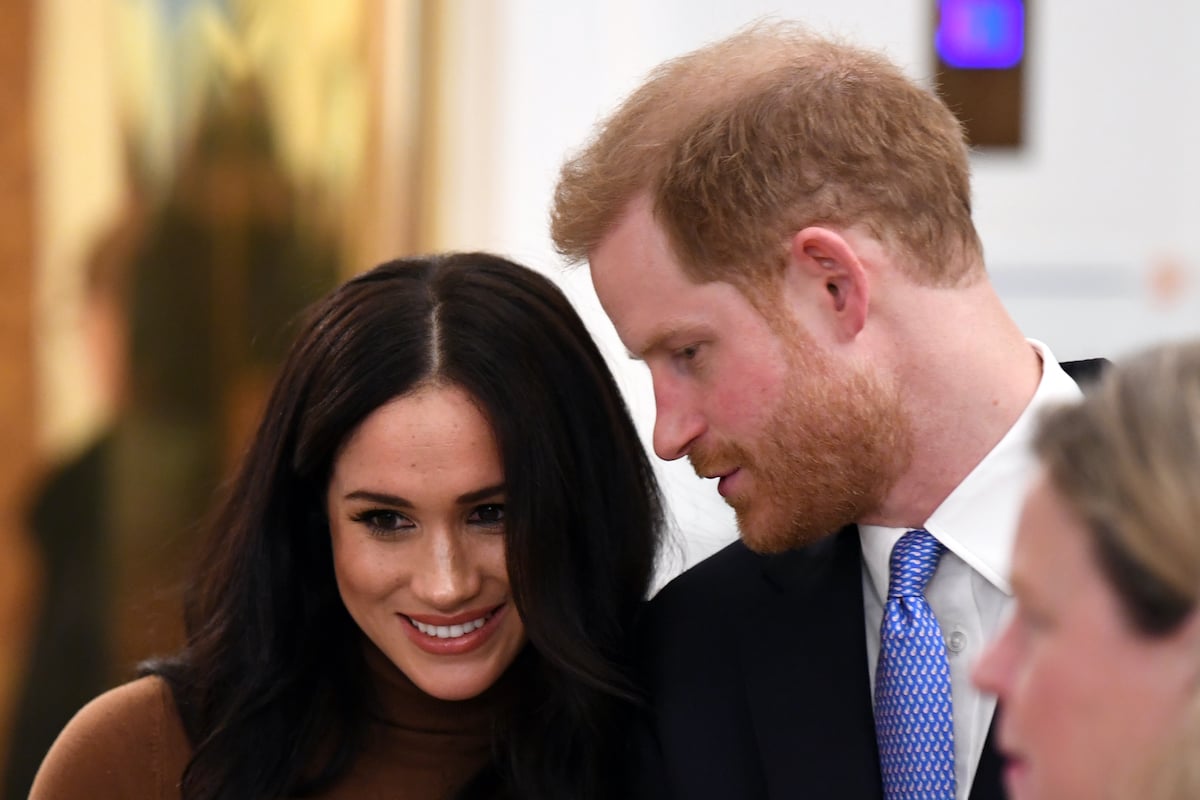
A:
x: 445, y: 577
x: 992, y: 672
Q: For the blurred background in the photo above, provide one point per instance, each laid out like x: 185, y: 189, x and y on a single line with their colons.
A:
x: 179, y: 178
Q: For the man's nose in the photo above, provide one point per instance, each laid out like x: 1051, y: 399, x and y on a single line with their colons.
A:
x: 677, y: 422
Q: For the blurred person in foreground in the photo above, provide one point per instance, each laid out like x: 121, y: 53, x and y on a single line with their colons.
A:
x: 779, y: 225
x: 1097, y: 671
x: 420, y: 582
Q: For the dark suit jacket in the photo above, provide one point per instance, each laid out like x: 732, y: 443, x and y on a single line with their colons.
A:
x: 757, y: 670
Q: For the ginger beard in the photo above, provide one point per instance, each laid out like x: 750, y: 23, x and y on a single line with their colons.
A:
x: 826, y: 456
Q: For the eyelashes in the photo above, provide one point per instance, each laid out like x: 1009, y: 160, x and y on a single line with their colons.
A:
x: 490, y: 515
x: 382, y: 522
x: 386, y: 522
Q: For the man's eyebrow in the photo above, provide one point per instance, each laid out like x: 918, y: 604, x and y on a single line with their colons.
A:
x: 655, y: 342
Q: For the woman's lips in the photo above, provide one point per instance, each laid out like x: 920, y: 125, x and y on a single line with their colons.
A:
x: 1015, y: 771
x: 456, y: 635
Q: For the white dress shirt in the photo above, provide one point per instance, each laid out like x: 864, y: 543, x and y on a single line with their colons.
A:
x: 969, y: 593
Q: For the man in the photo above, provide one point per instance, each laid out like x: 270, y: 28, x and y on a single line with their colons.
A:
x: 780, y: 227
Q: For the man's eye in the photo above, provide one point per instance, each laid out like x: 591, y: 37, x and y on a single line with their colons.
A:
x: 688, y: 353
x: 491, y: 515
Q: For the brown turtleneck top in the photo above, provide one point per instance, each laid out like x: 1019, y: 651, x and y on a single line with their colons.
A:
x: 129, y: 743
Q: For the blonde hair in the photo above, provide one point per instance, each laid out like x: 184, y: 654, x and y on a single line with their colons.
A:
x: 746, y: 141
x: 1127, y: 459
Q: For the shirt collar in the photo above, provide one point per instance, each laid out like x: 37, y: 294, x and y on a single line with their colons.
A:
x: 978, y: 520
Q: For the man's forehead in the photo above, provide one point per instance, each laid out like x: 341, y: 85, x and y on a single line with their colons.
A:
x: 635, y: 229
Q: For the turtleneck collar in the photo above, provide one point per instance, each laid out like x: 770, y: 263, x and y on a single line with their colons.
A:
x: 399, y: 703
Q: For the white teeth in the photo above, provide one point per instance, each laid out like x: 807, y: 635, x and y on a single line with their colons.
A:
x: 450, y: 631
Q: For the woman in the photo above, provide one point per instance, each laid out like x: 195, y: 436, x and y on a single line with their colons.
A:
x: 1096, y: 674
x: 420, y: 582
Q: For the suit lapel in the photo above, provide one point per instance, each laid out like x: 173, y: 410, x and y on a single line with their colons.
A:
x: 807, y: 684
x: 1085, y: 372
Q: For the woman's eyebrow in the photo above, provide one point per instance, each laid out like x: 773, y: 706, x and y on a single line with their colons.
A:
x: 481, y: 494
x: 379, y: 497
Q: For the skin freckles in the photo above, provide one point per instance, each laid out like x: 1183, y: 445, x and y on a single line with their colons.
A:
x: 416, y: 511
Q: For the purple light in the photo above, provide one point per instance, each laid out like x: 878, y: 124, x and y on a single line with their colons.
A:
x: 981, y: 34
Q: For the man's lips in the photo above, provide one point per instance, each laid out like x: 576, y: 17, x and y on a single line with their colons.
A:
x: 724, y: 484
x: 724, y: 475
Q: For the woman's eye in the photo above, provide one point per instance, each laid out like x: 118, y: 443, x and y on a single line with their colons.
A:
x: 382, y: 521
x: 688, y: 353
x: 491, y: 515
x: 1031, y: 620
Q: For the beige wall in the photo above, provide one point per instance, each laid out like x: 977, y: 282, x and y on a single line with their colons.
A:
x: 461, y: 91
x: 79, y: 188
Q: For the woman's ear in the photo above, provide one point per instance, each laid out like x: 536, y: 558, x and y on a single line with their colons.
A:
x: 826, y: 276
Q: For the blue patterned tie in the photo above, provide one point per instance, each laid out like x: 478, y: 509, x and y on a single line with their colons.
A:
x: 914, y: 725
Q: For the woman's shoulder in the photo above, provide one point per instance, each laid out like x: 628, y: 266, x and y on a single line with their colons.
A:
x: 128, y: 742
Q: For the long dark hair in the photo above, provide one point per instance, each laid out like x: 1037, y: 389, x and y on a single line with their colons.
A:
x: 270, y: 683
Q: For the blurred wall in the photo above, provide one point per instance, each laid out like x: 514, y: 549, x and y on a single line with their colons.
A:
x: 80, y: 192
x: 18, y: 574
x: 119, y: 85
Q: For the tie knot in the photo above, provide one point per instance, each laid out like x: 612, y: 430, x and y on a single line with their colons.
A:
x: 914, y: 558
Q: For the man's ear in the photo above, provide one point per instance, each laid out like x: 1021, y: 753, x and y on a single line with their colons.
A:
x: 826, y: 275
